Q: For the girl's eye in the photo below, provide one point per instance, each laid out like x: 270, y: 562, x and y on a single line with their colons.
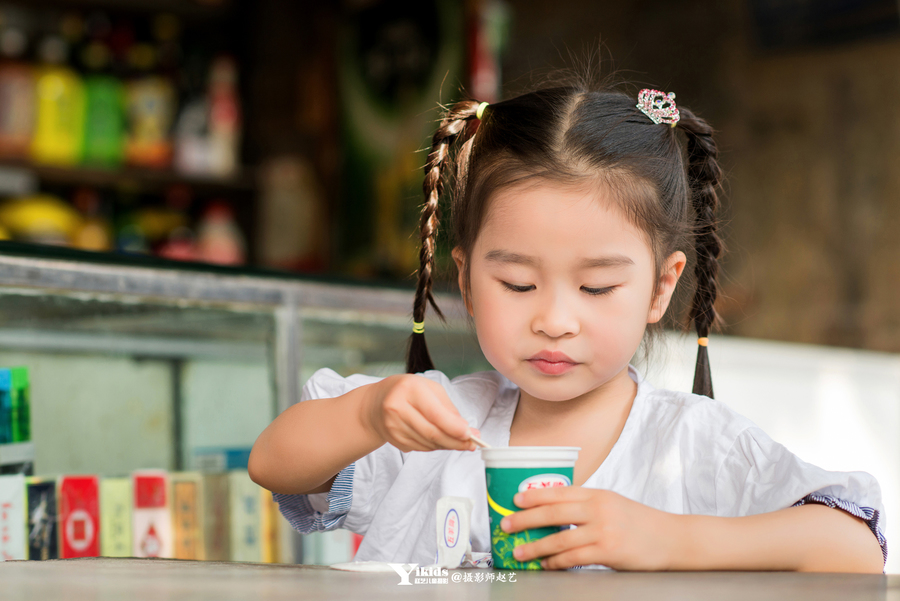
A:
x: 598, y: 291
x: 515, y: 288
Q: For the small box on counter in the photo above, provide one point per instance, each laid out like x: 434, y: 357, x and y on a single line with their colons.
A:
x: 151, y: 518
x: 116, y: 501
x: 79, y: 516
x: 42, y: 525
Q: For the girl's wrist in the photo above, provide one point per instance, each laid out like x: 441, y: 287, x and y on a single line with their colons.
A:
x: 681, y: 547
x: 369, y: 407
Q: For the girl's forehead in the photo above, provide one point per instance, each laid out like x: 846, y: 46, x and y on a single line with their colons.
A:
x: 543, y: 207
x: 556, y: 221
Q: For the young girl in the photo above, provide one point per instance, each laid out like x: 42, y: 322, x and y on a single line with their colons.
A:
x: 572, y: 211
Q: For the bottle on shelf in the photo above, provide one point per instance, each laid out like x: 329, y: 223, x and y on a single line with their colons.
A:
x: 209, y: 126
x: 150, y: 100
x: 59, y: 128
x: 219, y: 239
x: 104, y: 137
x: 16, y: 95
x: 224, y: 117
x: 40, y: 219
x: 180, y: 242
x: 94, y: 233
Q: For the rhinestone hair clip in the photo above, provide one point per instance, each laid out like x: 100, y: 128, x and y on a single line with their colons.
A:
x: 659, y: 106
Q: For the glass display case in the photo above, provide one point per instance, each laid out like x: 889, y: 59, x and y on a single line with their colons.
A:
x: 153, y: 366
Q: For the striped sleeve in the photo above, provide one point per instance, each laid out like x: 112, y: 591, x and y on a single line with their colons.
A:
x: 298, y: 510
x: 871, y: 516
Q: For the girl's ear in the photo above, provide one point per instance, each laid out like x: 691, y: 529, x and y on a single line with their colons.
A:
x: 460, y: 259
x: 671, y: 273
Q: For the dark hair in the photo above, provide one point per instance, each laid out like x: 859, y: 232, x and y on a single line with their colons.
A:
x: 576, y: 133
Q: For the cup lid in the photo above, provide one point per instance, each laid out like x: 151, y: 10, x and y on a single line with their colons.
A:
x: 530, y: 453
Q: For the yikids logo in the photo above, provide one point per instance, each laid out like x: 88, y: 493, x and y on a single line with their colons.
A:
x: 430, y: 575
x: 544, y: 481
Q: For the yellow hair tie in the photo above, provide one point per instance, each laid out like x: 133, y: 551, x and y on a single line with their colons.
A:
x: 703, y: 341
x: 419, y: 327
x: 480, y: 110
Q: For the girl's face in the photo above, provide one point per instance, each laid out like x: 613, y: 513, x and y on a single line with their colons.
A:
x: 562, y: 271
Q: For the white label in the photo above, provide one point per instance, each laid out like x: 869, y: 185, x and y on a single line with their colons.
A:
x: 544, y: 481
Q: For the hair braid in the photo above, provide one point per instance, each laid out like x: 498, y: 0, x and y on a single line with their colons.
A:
x: 452, y: 125
x: 704, y: 174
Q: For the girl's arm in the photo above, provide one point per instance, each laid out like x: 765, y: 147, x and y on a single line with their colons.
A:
x: 807, y: 538
x: 304, y: 448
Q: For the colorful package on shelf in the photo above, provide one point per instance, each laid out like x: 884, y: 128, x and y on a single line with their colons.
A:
x: 220, y: 459
x: 269, y: 533
x: 20, y: 397
x: 326, y: 548
x: 217, y: 511
x: 151, y: 518
x: 79, y: 516
x: 188, y: 515
x: 246, y: 520
x: 12, y: 518
x: 5, y: 406
x: 116, y: 500
x: 153, y: 513
x: 43, y: 518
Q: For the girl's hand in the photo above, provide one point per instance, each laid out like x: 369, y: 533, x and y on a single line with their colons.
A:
x: 612, y: 530
x: 414, y: 413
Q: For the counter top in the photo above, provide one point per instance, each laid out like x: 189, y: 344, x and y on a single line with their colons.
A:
x: 157, y: 579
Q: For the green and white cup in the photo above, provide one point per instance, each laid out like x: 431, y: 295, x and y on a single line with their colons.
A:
x: 510, y: 470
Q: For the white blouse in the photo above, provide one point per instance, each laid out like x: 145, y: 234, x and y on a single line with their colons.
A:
x: 678, y: 452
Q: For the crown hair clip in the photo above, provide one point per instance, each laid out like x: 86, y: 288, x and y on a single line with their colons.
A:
x: 659, y: 106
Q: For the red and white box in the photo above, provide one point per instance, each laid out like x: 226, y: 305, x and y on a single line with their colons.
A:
x: 151, y: 518
x: 79, y: 516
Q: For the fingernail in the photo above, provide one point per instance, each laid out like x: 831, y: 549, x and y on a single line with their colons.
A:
x: 518, y: 553
x: 517, y: 499
x: 505, y: 525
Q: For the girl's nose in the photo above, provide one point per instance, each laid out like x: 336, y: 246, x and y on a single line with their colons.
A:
x: 554, y: 316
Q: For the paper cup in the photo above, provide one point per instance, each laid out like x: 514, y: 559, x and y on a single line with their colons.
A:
x: 510, y: 470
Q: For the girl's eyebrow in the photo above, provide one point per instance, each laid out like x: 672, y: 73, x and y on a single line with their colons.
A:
x: 505, y: 256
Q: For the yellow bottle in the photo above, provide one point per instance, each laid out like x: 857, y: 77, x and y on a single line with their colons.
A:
x: 59, y: 124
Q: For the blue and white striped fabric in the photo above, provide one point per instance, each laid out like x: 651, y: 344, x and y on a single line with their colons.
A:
x: 871, y: 516
x: 298, y: 510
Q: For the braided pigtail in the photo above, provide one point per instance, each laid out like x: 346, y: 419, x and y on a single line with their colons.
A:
x: 704, y: 175
x: 452, y: 125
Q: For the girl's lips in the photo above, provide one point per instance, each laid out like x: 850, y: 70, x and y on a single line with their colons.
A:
x: 552, y: 357
x: 550, y: 367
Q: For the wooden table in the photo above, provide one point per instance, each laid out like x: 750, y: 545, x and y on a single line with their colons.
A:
x: 157, y: 579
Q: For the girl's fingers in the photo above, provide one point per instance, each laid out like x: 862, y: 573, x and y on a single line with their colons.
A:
x: 439, y: 410
x: 434, y: 436
x: 414, y: 440
x: 554, y: 544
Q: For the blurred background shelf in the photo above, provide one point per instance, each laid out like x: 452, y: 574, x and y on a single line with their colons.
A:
x: 13, y: 173
x: 188, y: 9
x: 16, y: 453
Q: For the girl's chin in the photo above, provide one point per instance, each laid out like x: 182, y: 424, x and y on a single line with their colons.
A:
x: 550, y: 390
